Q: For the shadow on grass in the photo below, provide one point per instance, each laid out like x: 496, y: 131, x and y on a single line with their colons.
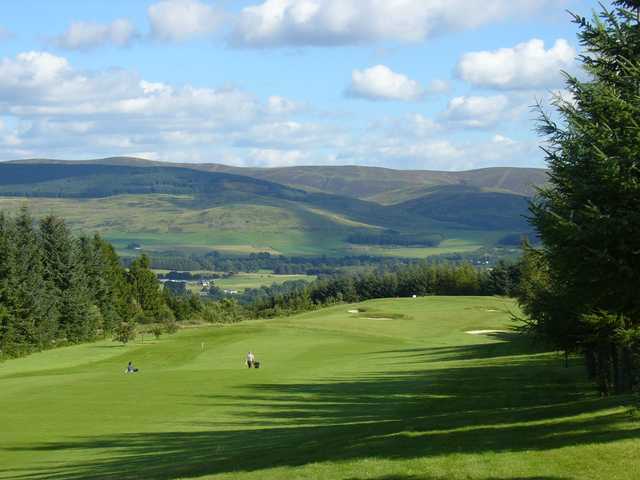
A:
x: 498, y: 404
x: 428, y: 477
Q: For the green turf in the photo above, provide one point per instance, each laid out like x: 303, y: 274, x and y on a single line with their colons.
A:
x: 394, y: 391
x: 242, y: 281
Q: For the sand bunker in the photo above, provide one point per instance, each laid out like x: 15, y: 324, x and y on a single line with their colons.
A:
x: 484, y: 332
x: 354, y: 311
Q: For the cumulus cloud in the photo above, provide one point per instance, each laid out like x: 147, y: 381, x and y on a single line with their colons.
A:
x: 42, y: 84
x: 344, y: 22
x: 49, y: 108
x: 87, y: 35
x: 401, y: 151
x: 476, y: 112
x: 180, y: 20
x: 382, y: 83
x: 527, y: 65
x: 61, y: 108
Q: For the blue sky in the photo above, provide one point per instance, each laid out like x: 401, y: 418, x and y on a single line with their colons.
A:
x: 419, y: 84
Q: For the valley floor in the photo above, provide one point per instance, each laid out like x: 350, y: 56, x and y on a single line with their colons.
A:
x: 386, y: 390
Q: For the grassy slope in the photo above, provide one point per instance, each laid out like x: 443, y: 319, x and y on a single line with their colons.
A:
x: 472, y: 206
x: 165, y: 222
x: 188, y: 223
x: 340, y: 396
x: 165, y: 206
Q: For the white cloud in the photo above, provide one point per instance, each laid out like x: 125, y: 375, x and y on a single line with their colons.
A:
x: 87, y: 35
x: 39, y: 83
x: 343, y: 22
x: 179, y: 20
x: 527, y: 65
x: 476, y: 112
x: 442, y: 154
x: 381, y: 83
x: 49, y: 108
x: 115, y: 111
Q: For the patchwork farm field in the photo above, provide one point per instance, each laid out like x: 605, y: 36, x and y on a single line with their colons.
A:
x: 387, y: 390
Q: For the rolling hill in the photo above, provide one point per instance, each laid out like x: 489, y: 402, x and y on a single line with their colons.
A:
x: 366, y: 183
x: 298, y: 210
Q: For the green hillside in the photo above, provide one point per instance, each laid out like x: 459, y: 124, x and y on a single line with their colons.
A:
x: 366, y: 183
x: 200, y: 208
x: 472, y: 206
x: 387, y: 389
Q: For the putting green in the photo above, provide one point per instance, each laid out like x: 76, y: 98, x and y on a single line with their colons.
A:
x: 396, y: 391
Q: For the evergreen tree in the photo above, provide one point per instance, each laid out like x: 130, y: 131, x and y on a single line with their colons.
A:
x: 108, y: 279
x: 29, y: 301
x: 589, y: 216
x: 145, y: 287
x: 120, y: 294
x: 6, y: 321
x: 65, y: 276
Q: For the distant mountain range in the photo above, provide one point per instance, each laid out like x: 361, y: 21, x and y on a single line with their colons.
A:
x: 319, y: 208
x: 381, y: 185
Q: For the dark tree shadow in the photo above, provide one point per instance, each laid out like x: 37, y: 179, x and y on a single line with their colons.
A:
x: 496, y: 404
x: 429, y: 477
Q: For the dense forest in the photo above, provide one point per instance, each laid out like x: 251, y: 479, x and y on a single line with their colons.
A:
x: 56, y: 288
x: 215, y: 261
x: 278, y: 264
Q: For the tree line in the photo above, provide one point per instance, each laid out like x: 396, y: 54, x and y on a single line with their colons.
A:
x: 393, y: 238
x: 56, y: 288
x: 421, y: 279
x: 278, y: 264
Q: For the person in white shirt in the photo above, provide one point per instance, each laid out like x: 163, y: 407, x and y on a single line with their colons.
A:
x: 250, y: 359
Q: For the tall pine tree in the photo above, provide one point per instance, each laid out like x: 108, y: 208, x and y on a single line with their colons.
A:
x: 29, y: 302
x: 146, y: 288
x: 64, y: 274
x: 589, y: 216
